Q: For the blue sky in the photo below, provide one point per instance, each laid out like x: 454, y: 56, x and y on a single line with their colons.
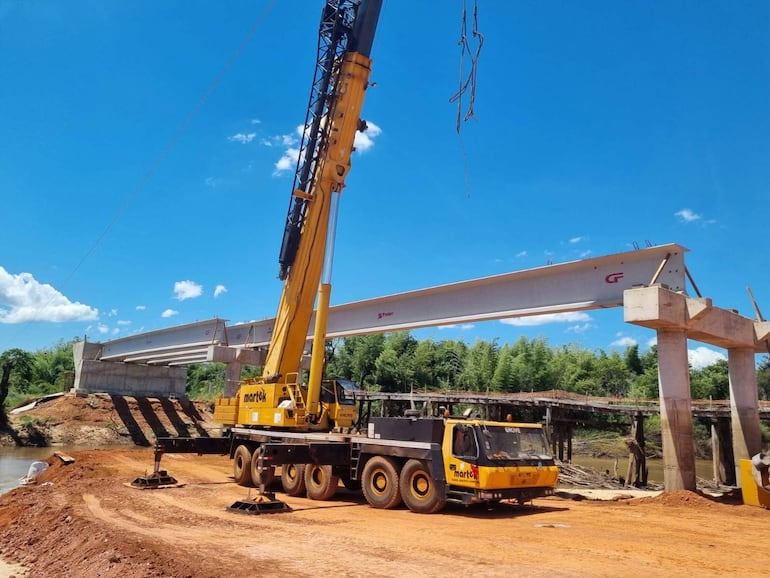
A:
x: 142, y: 164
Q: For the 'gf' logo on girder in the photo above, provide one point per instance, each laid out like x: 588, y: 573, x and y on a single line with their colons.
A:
x: 613, y: 277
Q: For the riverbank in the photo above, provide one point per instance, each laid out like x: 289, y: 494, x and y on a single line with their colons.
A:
x: 102, y: 420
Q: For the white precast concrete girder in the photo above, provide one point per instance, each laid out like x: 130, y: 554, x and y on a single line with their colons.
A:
x: 210, y: 332
x: 593, y: 283
x: 574, y: 286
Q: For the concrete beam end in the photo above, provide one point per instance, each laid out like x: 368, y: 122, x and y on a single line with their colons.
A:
x: 655, y: 307
x: 250, y: 356
x: 220, y: 354
x: 698, y: 307
x: 762, y: 331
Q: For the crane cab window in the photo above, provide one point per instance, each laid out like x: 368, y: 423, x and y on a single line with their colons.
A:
x: 464, y: 444
x: 327, y: 394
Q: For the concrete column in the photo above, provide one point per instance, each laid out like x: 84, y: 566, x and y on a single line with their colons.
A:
x: 232, y: 378
x: 744, y: 405
x: 675, y: 411
x: 722, y: 452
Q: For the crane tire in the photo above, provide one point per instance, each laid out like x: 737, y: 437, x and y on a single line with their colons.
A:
x: 242, y: 466
x: 293, y: 479
x: 380, y: 483
x: 320, y: 482
x: 420, y: 491
x: 266, y: 476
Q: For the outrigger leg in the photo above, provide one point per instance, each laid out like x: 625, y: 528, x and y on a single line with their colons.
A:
x: 265, y: 502
x: 158, y: 478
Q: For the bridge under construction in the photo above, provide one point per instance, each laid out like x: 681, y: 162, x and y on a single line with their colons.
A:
x: 649, y: 284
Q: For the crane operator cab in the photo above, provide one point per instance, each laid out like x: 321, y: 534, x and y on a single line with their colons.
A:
x: 282, y: 405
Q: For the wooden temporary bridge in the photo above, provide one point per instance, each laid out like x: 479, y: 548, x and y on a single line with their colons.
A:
x: 562, y: 411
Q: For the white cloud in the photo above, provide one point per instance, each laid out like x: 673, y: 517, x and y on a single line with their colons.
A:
x: 112, y: 313
x: 219, y: 289
x: 701, y: 357
x: 169, y: 313
x: 141, y: 307
x: 187, y: 290
x: 574, y: 240
x: 687, y: 216
x: 102, y: 328
x: 535, y: 320
x: 256, y: 121
x: 287, y: 162
x: 363, y: 141
x: 463, y: 327
x: 213, y: 182
x: 582, y: 328
x: 23, y: 299
x: 116, y: 331
x: 521, y: 254
x: 624, y: 341
x: 242, y: 138
x: 123, y: 322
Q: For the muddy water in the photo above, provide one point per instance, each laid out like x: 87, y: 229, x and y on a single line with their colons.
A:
x: 703, y: 468
x: 15, y: 462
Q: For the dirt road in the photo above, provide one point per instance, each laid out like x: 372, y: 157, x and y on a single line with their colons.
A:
x: 82, y: 520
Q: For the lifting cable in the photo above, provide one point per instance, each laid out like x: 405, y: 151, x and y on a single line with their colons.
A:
x: 468, y: 83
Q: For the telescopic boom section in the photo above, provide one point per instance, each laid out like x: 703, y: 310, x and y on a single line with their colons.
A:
x: 342, y: 75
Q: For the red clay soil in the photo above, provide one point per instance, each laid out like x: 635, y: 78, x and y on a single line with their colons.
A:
x: 82, y: 520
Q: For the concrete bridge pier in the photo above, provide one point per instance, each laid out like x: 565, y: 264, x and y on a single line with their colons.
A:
x: 675, y: 411
x: 744, y: 405
x: 722, y: 451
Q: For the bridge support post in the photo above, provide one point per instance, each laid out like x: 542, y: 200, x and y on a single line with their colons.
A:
x: 722, y: 452
x: 232, y: 378
x: 637, y: 459
x: 744, y: 405
x: 675, y: 411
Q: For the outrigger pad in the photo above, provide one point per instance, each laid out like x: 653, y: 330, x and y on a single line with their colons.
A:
x: 159, y: 479
x: 264, y: 504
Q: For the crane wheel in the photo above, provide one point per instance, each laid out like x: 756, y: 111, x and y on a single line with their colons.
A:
x: 265, y: 476
x: 293, y: 479
x: 380, y: 483
x: 320, y: 482
x: 420, y: 491
x: 242, y: 466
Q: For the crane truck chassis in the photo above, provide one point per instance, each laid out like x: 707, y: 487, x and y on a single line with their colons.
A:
x: 422, y: 462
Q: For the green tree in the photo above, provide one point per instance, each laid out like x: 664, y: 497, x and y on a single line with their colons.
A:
x: 710, y: 382
x: 205, y: 380
x: 15, y: 371
x: 763, y: 378
x: 50, y: 368
x: 480, y: 363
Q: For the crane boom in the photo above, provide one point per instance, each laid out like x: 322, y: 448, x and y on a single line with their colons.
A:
x: 333, y: 117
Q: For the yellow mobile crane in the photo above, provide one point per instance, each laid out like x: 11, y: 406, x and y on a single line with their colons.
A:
x: 278, y: 398
x: 306, y: 430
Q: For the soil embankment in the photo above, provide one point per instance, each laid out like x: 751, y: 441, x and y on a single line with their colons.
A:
x: 103, y: 420
x: 82, y: 519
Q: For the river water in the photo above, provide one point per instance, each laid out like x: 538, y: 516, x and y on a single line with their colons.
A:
x: 703, y: 468
x: 15, y: 462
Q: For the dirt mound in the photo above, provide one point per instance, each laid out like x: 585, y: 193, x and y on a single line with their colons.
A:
x: 108, y: 420
x: 81, y: 520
